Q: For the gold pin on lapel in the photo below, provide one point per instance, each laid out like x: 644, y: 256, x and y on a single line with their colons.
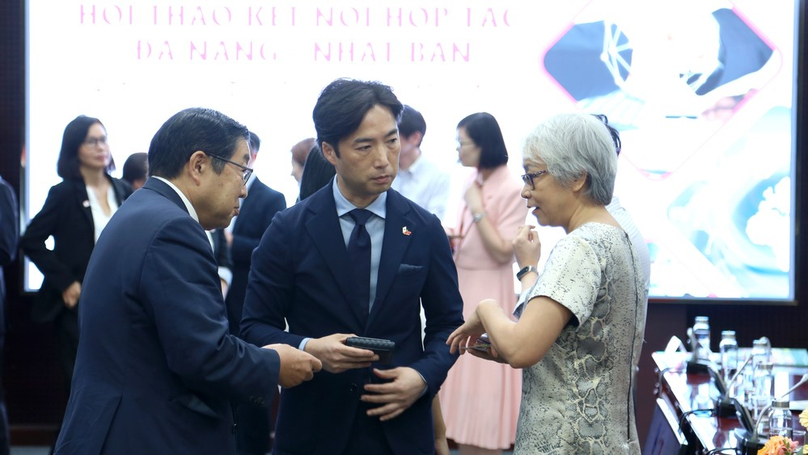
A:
x: 405, y: 231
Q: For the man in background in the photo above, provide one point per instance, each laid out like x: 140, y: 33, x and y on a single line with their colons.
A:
x: 243, y: 234
x: 419, y: 179
x: 9, y: 235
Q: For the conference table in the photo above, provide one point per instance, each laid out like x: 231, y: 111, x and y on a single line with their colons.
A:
x: 684, y: 420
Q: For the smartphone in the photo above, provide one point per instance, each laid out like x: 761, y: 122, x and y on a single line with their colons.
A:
x: 382, y: 348
x: 481, y: 344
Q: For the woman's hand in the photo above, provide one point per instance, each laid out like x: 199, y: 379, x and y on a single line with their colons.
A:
x: 71, y: 295
x: 470, y: 330
x: 527, y: 246
x: 474, y: 198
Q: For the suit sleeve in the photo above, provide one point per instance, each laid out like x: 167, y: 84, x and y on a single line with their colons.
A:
x: 443, y: 307
x: 243, y: 245
x: 42, y: 226
x: 9, y: 227
x: 183, y: 298
x: 270, y: 288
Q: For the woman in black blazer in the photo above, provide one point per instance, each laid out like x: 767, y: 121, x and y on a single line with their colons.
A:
x: 75, y: 212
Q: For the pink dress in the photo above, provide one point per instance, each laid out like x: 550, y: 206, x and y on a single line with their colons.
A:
x: 480, y: 399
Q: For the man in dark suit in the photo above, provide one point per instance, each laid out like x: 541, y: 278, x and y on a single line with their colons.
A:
x: 9, y: 234
x: 252, y: 431
x: 331, y: 276
x: 156, y: 367
x: 253, y: 219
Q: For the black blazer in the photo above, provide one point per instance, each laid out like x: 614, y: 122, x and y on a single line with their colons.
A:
x: 9, y: 233
x: 67, y: 217
x: 255, y: 216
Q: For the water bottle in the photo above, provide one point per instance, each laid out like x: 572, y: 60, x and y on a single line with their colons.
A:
x: 780, y: 419
x: 729, y: 354
x: 701, y: 331
x: 761, y: 352
x: 763, y: 393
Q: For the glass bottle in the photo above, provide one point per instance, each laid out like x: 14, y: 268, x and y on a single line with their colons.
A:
x: 763, y: 393
x: 729, y: 355
x: 761, y: 352
x: 701, y: 331
x: 780, y: 419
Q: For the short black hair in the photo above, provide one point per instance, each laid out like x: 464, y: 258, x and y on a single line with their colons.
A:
x: 255, y: 142
x: 343, y: 104
x: 317, y: 172
x: 136, y: 167
x: 67, y: 165
x: 192, y: 130
x: 411, y: 121
x: 618, y: 145
x: 484, y: 130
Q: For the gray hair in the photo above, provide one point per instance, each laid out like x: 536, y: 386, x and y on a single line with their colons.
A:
x: 572, y: 145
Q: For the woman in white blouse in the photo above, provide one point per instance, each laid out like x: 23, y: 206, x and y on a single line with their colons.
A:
x: 74, y: 214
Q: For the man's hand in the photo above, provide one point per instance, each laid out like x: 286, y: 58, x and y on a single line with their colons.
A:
x: 71, y: 295
x: 396, y: 396
x: 296, y: 365
x: 336, y: 356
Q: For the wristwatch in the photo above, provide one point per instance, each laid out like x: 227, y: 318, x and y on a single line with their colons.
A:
x: 476, y: 217
x: 525, y: 271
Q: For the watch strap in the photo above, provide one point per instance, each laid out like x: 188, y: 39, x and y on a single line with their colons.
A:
x: 525, y: 271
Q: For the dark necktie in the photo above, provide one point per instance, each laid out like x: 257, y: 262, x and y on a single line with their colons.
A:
x: 359, y: 254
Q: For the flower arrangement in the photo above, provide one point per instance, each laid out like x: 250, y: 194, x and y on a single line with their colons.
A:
x: 779, y: 445
x: 804, y: 418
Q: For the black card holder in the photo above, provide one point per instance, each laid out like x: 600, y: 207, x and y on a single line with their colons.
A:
x: 383, y: 348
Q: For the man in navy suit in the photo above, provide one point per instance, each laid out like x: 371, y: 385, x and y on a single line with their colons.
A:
x: 302, y: 273
x: 157, y: 368
x: 255, y: 214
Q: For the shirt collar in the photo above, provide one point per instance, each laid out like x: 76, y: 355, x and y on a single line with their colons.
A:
x: 185, y: 200
x: 378, y: 207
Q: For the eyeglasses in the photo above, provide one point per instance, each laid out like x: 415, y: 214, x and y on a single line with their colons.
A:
x: 246, y: 172
x: 528, y: 178
x: 94, y: 141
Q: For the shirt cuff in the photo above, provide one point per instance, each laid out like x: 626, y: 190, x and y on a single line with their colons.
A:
x: 303, y: 343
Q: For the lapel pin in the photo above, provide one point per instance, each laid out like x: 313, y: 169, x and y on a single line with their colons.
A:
x: 85, y: 204
x: 405, y: 231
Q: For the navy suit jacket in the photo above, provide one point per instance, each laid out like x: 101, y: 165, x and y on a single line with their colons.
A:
x: 301, y: 274
x: 157, y: 366
x: 257, y: 210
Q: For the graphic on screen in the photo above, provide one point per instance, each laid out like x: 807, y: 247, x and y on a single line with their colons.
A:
x: 680, y: 85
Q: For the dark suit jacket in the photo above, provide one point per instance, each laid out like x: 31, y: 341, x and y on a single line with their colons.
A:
x: 157, y: 367
x: 255, y: 215
x: 301, y: 272
x: 66, y: 216
x: 9, y: 234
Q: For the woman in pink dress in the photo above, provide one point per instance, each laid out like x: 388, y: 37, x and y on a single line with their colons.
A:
x: 480, y: 400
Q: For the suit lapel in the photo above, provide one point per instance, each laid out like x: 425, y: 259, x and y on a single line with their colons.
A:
x: 326, y: 234
x: 83, y: 201
x: 399, y: 228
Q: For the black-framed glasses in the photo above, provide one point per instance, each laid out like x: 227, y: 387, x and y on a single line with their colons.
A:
x: 528, y: 178
x: 246, y: 172
x: 94, y: 141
